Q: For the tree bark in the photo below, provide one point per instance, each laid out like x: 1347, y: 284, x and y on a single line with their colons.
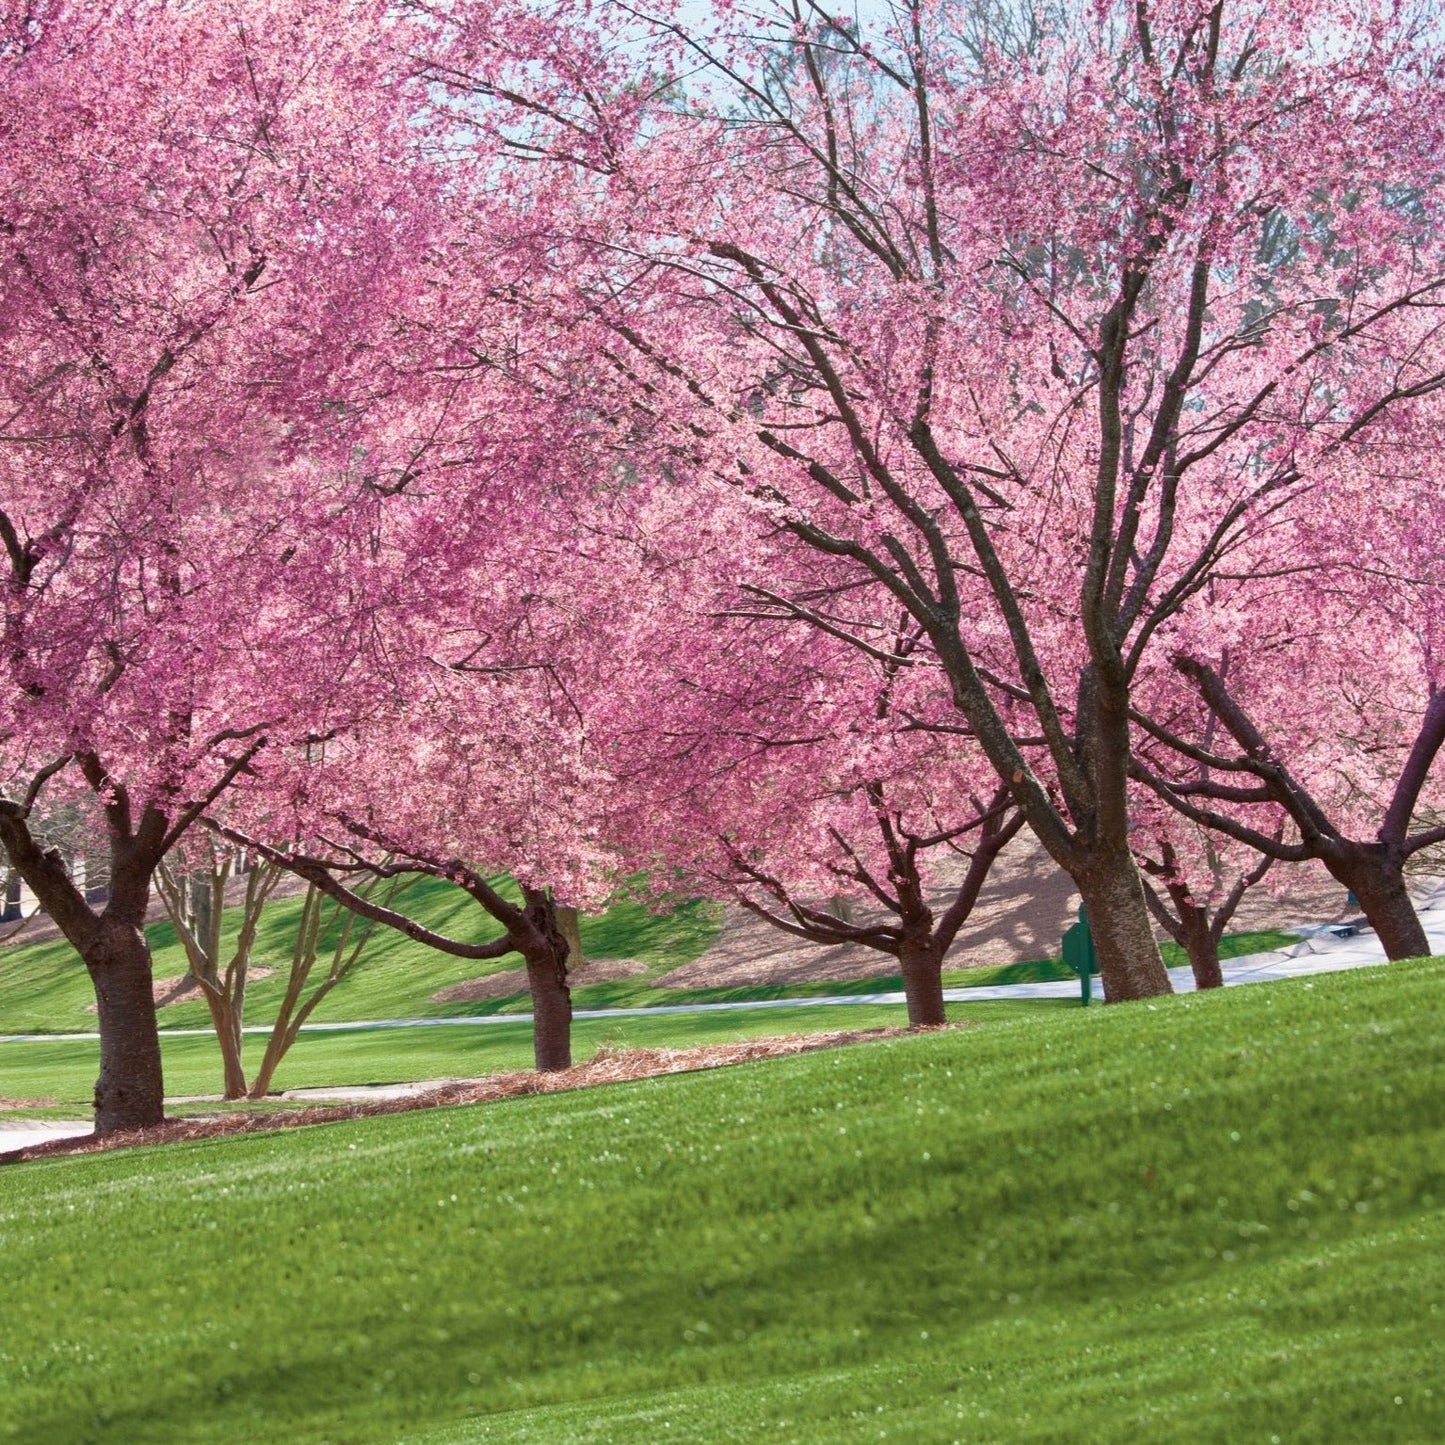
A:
x: 129, y: 1093
x: 1203, y: 949
x: 228, y: 1034
x: 1130, y: 966
x: 921, y: 962
x: 289, y: 1017
x: 569, y: 925
x: 283, y: 1035
x: 551, y: 1013
x: 548, y: 955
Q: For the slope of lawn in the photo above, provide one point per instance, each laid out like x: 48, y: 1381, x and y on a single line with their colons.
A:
x: 64, y: 1070
x: 1213, y: 1218
x: 44, y: 987
x: 641, y: 993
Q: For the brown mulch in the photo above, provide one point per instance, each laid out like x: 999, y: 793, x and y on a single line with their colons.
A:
x: 514, y: 980
x: 608, y: 1067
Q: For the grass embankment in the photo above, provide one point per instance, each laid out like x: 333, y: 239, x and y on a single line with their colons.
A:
x: 64, y: 1070
x: 1211, y: 1218
x: 44, y: 987
x: 635, y: 993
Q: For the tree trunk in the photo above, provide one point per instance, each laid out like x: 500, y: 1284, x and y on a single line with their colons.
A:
x: 569, y: 925
x: 228, y: 1035
x: 547, y: 953
x: 275, y: 1051
x: 129, y: 1093
x: 1203, y: 950
x: 551, y: 1012
x: 1379, y: 883
x: 922, y: 966
x: 284, y: 1029
x: 1130, y: 966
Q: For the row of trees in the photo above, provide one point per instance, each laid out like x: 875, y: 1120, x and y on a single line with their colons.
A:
x: 780, y: 456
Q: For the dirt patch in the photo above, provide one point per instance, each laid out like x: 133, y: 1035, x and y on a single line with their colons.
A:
x: 26, y: 1103
x: 184, y: 989
x: 514, y: 980
x: 608, y: 1067
x: 1020, y: 916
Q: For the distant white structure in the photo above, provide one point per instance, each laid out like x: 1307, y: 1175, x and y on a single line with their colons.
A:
x: 19, y: 902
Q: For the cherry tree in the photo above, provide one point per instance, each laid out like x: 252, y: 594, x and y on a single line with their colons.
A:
x: 1318, y: 742
x: 1194, y: 882
x: 1028, y: 317
x: 1305, y: 722
x: 204, y: 216
x: 466, y: 780
x: 920, y: 914
x: 457, y: 748
x: 827, y: 791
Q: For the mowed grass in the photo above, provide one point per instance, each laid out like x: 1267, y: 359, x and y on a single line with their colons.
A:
x: 44, y: 987
x: 64, y: 1070
x: 1216, y: 1217
x: 633, y: 993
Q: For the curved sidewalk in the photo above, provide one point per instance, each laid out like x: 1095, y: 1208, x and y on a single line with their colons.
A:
x: 1318, y: 951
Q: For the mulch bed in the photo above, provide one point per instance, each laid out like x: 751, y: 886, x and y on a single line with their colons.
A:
x: 609, y: 1067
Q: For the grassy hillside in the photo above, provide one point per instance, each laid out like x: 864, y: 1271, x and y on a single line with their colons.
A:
x: 1209, y: 1218
x: 44, y: 988
x: 640, y: 993
x: 64, y: 1069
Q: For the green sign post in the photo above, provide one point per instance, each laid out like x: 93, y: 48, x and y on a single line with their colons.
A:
x: 1079, y: 955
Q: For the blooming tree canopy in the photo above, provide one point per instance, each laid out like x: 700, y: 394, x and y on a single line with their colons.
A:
x: 203, y: 218
x: 1032, y: 327
x: 704, y: 441
x: 1307, y: 724
x: 826, y: 790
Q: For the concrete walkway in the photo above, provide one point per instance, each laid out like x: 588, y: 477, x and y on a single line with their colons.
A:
x: 1318, y: 951
x: 22, y: 1133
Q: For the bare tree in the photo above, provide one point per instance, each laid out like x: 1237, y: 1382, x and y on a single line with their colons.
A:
x: 195, y: 902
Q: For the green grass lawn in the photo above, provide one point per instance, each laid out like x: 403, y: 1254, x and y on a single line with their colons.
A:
x: 65, y: 1069
x: 1208, y: 1218
x: 640, y: 993
x: 44, y: 987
